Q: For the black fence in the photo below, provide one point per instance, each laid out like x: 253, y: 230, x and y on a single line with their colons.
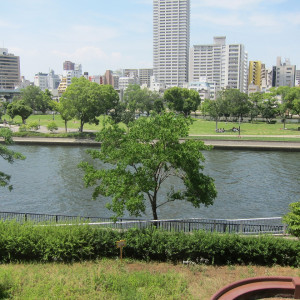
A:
x: 241, y: 226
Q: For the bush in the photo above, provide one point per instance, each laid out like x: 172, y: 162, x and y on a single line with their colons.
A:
x: 292, y: 219
x: 28, y: 242
x: 33, y: 126
x: 23, y: 128
x: 52, y: 126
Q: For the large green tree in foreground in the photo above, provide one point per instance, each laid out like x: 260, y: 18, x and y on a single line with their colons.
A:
x: 144, y: 159
x: 8, y: 155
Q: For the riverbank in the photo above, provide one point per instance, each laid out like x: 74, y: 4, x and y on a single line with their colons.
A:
x: 217, y: 144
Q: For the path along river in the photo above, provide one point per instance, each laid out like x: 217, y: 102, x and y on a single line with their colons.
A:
x: 250, y: 184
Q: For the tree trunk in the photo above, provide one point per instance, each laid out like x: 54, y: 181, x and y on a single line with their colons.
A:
x: 66, y: 126
x: 81, y: 126
x: 216, y: 125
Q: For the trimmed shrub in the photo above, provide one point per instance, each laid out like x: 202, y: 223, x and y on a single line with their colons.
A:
x: 67, y: 243
x: 23, y: 128
x: 52, y: 126
x: 33, y: 126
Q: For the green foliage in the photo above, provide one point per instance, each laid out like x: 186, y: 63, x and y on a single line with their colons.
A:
x: 143, y: 159
x: 269, y: 107
x: 33, y: 125
x: 52, y: 126
x: 239, y: 103
x: 292, y: 219
x: 9, y: 155
x: 35, y: 98
x: 19, y: 108
x: 29, y: 242
x: 86, y: 101
x: 182, y: 100
x: 23, y: 128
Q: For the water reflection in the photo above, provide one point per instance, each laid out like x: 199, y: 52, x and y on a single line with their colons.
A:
x: 249, y: 183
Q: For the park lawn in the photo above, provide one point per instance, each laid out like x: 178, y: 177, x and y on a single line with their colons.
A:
x: 204, y: 127
x: 44, y: 120
x: 112, y: 279
x: 199, y: 126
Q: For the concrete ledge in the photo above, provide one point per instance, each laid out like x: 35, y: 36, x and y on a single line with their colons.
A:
x: 217, y: 144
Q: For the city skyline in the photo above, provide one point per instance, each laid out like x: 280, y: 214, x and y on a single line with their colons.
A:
x: 118, y: 34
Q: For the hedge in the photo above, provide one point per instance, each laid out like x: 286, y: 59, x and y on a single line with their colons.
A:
x: 33, y: 242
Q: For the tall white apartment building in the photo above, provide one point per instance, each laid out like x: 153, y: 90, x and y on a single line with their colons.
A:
x: 224, y: 65
x: 171, y: 38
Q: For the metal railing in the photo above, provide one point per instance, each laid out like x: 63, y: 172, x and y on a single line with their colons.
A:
x: 240, y: 226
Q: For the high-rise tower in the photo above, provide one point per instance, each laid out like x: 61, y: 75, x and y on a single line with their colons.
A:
x: 9, y: 70
x: 171, y: 37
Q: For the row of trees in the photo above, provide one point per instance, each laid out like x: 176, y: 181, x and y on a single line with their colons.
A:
x: 86, y: 101
x: 233, y: 103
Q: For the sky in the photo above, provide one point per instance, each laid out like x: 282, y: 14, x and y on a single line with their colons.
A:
x: 117, y: 34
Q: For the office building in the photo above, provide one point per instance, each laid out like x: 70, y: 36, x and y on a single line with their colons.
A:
x: 284, y: 74
x: 9, y: 70
x: 254, y: 73
x: 171, y: 37
x: 223, y: 65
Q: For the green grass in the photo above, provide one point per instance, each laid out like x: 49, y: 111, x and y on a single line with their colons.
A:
x: 99, y: 280
x: 204, y: 127
x: 129, y: 280
x: 200, y: 127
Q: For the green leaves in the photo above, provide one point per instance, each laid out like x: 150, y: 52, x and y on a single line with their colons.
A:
x: 8, y: 155
x: 182, y: 100
x: 142, y: 161
x: 85, y: 101
x: 292, y: 219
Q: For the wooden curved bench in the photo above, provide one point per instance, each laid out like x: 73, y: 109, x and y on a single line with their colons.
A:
x: 260, y: 287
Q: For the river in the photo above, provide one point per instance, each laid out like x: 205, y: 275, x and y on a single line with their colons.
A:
x: 250, y: 184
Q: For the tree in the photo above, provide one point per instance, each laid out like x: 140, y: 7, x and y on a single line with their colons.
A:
x: 19, y: 108
x: 84, y: 101
x: 239, y: 103
x: 143, y: 159
x: 255, y: 104
x: 132, y: 96
x: 158, y: 105
x: 269, y: 107
x: 296, y: 106
x: 64, y: 108
x: 34, y: 97
x: 110, y: 97
x: 215, y: 109
x: 8, y: 155
x: 182, y: 100
x: 292, y: 99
